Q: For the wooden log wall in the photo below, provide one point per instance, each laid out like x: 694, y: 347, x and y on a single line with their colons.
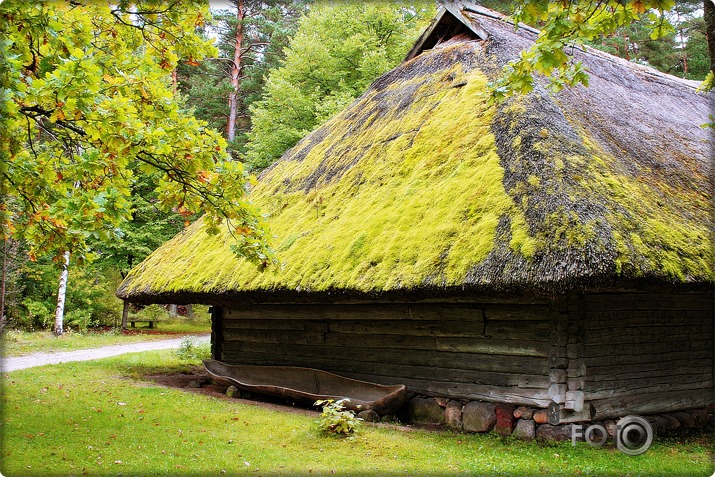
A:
x: 645, y: 353
x: 475, y: 351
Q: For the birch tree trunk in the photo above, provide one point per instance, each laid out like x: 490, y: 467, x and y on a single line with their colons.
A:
x: 235, y: 74
x: 61, y: 293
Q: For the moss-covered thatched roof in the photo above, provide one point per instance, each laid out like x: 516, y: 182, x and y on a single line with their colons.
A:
x: 422, y: 188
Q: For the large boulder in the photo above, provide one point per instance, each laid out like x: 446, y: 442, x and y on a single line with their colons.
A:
x: 478, y: 416
x: 554, y: 433
x: 525, y: 429
x: 425, y: 411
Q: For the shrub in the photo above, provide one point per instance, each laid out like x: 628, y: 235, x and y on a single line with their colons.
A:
x: 190, y: 350
x: 153, y: 312
x: 79, y: 319
x: 335, y: 419
x: 38, y: 315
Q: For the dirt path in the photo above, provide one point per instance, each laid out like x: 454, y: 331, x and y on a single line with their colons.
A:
x: 41, y: 359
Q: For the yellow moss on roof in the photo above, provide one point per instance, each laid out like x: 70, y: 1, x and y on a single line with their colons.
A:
x: 406, y: 189
x: 427, y: 195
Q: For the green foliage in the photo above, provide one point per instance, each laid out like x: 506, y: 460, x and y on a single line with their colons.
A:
x: 335, y: 420
x: 89, y: 301
x: 191, y: 350
x: 87, y: 104
x: 153, y: 312
x: 572, y: 24
x: 267, y: 25
x: 38, y: 315
x: 79, y: 319
x: 681, y: 51
x: 338, y: 50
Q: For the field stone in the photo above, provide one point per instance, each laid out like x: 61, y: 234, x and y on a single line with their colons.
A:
x: 610, y: 426
x: 425, y: 411
x: 525, y: 429
x: 701, y: 417
x: 554, y: 433
x: 194, y: 383
x: 523, y: 412
x: 686, y: 419
x: 369, y: 415
x: 658, y: 423
x: 453, y: 414
x: 442, y: 401
x: 233, y: 391
x: 673, y: 422
x: 711, y: 423
x: 541, y: 416
x: 478, y: 416
x: 505, y: 420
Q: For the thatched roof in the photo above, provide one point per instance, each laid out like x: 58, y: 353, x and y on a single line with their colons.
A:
x: 422, y: 188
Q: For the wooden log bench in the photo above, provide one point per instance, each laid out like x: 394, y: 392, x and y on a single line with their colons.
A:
x: 149, y: 322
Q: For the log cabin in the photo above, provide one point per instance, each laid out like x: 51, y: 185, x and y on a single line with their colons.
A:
x: 554, y: 250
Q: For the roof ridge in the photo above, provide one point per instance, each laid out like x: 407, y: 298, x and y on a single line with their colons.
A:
x: 477, y: 9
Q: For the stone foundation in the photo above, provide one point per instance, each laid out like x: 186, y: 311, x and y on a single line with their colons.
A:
x: 529, y: 423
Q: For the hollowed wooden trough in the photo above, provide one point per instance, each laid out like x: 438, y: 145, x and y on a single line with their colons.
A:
x: 308, y: 385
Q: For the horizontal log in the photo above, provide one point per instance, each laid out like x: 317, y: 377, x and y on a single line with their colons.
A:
x: 669, y: 367
x: 609, y: 319
x: 654, y: 301
x: 512, y: 330
x: 258, y: 324
x: 651, y: 403
x: 658, y: 370
x: 653, y: 331
x: 411, y: 328
x: 517, y: 313
x: 644, y: 358
x: 647, y: 349
x: 413, y: 372
x: 524, y: 397
x: 492, y: 346
x: 379, y: 341
x: 382, y: 311
x: 274, y: 336
x: 594, y: 387
x: 635, y: 388
x: 466, y: 361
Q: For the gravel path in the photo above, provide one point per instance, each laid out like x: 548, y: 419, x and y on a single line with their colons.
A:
x: 41, y: 359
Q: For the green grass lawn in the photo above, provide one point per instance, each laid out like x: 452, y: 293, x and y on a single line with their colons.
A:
x: 105, y: 418
x: 19, y: 343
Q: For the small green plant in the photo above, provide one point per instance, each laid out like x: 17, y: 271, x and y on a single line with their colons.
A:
x: 190, y: 350
x: 335, y: 419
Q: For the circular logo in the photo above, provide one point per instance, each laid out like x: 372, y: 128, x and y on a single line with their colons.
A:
x: 634, y: 435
